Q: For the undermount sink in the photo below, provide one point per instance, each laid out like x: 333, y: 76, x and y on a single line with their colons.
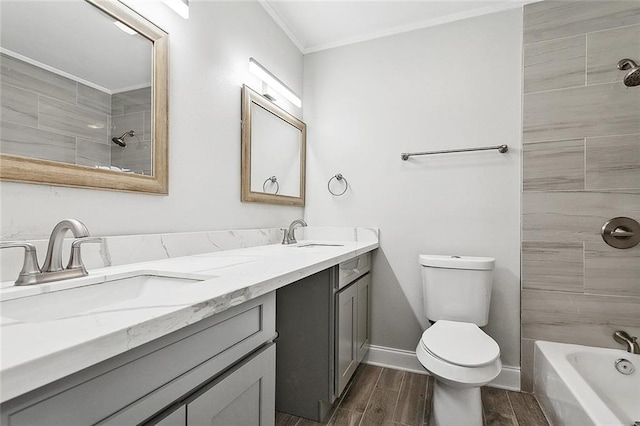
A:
x: 306, y: 245
x: 96, y: 295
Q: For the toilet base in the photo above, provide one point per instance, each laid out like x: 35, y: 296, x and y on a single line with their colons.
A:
x: 455, y: 405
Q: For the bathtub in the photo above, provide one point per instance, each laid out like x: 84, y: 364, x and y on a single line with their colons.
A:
x: 579, y: 385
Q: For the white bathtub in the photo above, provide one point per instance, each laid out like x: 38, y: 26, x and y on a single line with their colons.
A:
x: 579, y: 385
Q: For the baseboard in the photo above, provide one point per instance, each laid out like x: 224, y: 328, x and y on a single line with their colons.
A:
x: 398, y: 359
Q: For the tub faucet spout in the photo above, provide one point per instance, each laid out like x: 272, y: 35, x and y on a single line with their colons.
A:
x: 626, y: 339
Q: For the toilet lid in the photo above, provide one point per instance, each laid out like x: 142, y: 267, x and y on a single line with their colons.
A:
x: 460, y: 343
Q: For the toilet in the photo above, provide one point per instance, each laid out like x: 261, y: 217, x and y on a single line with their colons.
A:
x: 454, y: 350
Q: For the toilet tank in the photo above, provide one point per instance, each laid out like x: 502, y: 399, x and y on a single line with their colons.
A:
x: 457, y: 288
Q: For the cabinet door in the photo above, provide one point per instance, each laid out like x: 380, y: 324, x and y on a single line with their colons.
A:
x: 364, y: 324
x: 177, y: 418
x: 244, y: 396
x: 346, y: 332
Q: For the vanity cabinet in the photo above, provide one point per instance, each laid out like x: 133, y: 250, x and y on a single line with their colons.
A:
x: 352, y: 328
x: 231, y: 349
x: 242, y: 396
x: 323, y: 333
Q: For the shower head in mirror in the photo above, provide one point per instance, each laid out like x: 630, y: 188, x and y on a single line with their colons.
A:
x: 120, y: 141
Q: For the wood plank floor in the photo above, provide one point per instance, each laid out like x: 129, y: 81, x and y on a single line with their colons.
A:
x: 382, y: 396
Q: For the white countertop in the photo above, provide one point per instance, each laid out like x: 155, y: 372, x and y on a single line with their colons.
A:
x: 39, y: 350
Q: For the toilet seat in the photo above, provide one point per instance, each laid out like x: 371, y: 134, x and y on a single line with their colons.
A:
x: 486, y: 364
x: 460, y: 343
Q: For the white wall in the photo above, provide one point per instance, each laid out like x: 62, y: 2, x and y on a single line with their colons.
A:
x: 452, y: 86
x: 209, y: 56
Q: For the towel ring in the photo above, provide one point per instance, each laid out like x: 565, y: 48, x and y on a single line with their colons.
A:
x: 272, y: 179
x: 339, y: 178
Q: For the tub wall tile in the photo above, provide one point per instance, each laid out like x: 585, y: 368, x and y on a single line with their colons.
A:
x: 526, y: 364
x: 557, y: 165
x: 35, y: 143
x: 613, y: 162
x: 574, y: 217
x: 72, y: 120
x: 600, y: 110
x: 583, y: 319
x: 556, y: 19
x: 94, y: 99
x: 19, y: 106
x: 92, y: 154
x: 606, y: 48
x: 552, y: 266
x: 612, y: 271
x: 555, y: 64
x: 575, y: 288
x: 20, y: 74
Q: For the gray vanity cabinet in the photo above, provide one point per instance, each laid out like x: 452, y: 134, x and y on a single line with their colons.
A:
x: 346, y: 335
x: 231, y: 349
x: 242, y: 397
x: 363, y: 335
x: 323, y: 333
x: 352, y: 328
x: 177, y: 417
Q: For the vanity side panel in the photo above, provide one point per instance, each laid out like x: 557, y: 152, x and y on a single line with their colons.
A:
x: 304, y: 350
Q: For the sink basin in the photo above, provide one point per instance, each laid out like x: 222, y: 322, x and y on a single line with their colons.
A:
x: 306, y: 245
x: 98, y: 294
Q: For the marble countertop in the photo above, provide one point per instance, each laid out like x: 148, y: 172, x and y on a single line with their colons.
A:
x: 41, y: 345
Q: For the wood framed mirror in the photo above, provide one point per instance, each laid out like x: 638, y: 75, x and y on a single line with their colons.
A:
x: 84, y: 101
x: 273, y: 152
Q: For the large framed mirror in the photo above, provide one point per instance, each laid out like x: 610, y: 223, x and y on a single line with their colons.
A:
x: 84, y: 96
x: 273, y: 152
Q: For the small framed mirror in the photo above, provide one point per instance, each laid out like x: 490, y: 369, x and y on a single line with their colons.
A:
x: 84, y: 96
x: 273, y: 152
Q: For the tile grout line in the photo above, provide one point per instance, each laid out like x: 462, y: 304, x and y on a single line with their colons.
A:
x: 513, y: 411
x: 366, y: 407
x: 395, y: 408
x: 344, y: 394
x: 426, y: 401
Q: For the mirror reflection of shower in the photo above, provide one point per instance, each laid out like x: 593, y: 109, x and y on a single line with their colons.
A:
x: 632, y: 78
x: 120, y: 140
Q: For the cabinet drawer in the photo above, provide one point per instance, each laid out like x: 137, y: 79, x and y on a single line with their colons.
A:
x: 352, y: 269
x: 147, y: 379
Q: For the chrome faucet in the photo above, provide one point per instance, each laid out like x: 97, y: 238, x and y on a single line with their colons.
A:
x: 53, y: 261
x: 52, y: 269
x: 631, y: 341
x: 289, y: 234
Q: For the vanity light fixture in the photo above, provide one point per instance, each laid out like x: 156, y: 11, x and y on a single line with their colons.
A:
x: 181, y: 7
x: 124, y: 28
x: 274, y: 82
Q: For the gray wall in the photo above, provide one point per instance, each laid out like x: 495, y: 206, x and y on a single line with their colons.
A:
x: 371, y: 101
x: 581, y: 167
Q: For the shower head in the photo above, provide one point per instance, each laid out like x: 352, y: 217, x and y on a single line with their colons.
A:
x: 632, y: 78
x: 120, y: 141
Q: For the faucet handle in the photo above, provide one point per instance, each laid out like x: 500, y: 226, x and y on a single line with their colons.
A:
x: 30, y: 266
x: 75, y: 260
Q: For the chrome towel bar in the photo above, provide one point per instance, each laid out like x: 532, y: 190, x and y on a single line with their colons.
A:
x: 501, y: 148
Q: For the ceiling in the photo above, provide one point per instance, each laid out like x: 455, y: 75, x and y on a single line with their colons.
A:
x: 315, y: 25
